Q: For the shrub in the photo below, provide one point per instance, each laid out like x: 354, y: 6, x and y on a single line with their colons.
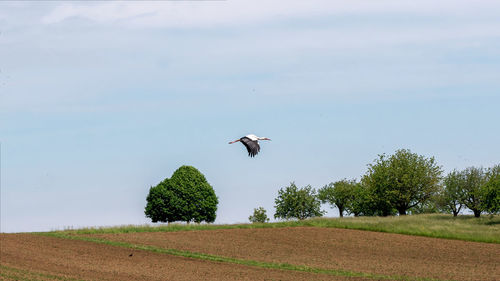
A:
x: 259, y: 215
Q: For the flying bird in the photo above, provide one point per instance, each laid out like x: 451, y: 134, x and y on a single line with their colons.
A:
x: 251, y: 142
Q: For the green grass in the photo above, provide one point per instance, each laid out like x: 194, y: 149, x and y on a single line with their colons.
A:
x: 215, y: 258
x: 468, y: 228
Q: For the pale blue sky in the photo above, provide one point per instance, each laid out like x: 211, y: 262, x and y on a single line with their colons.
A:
x: 101, y: 100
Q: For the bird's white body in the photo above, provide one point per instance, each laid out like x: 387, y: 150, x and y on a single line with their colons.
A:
x: 253, y: 137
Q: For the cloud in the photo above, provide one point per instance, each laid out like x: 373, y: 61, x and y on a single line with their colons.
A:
x: 212, y: 13
x: 341, y: 49
x: 171, y: 13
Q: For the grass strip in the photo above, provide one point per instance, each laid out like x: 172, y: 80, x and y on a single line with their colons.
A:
x: 485, y: 229
x: 26, y: 275
x: 215, y: 258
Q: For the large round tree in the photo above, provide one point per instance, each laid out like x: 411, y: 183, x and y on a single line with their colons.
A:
x: 186, y: 196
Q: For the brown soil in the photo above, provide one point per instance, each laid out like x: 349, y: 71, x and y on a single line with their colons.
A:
x: 48, y: 258
x: 353, y: 250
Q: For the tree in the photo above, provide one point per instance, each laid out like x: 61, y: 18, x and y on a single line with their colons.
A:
x: 401, y: 181
x: 377, y: 184
x: 474, y: 179
x: 360, y: 201
x: 293, y: 202
x: 161, y: 203
x: 259, y: 215
x: 339, y: 194
x: 452, y: 196
x: 186, y: 196
x: 491, y: 190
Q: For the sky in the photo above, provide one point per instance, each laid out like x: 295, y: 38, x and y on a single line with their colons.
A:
x: 101, y: 100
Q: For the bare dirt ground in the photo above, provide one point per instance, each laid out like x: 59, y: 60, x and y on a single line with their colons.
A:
x: 35, y: 257
x: 330, y: 248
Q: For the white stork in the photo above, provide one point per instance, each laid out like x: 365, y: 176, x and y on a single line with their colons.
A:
x: 251, y: 142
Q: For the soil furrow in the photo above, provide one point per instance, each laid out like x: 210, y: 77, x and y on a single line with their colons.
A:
x: 337, y: 249
x: 93, y: 261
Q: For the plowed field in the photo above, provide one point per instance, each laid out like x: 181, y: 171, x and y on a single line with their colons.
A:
x: 48, y: 258
x: 34, y: 257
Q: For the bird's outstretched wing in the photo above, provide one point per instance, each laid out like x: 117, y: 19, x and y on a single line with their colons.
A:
x: 252, y: 146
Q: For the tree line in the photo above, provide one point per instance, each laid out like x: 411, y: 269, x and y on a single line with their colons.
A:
x: 401, y: 183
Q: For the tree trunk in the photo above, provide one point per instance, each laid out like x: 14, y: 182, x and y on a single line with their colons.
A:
x: 341, y: 212
x: 402, y: 212
x: 455, y: 213
x: 477, y: 213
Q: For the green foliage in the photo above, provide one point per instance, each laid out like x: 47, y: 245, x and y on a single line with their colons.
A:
x: 340, y: 194
x: 427, y: 207
x: 186, y: 196
x: 491, y: 191
x: 401, y: 181
x: 197, y: 197
x: 474, y: 179
x: 451, y: 197
x: 293, y: 202
x: 259, y: 216
x: 161, y: 203
x: 377, y: 184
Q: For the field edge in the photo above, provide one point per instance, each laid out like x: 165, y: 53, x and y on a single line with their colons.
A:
x: 465, y: 228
